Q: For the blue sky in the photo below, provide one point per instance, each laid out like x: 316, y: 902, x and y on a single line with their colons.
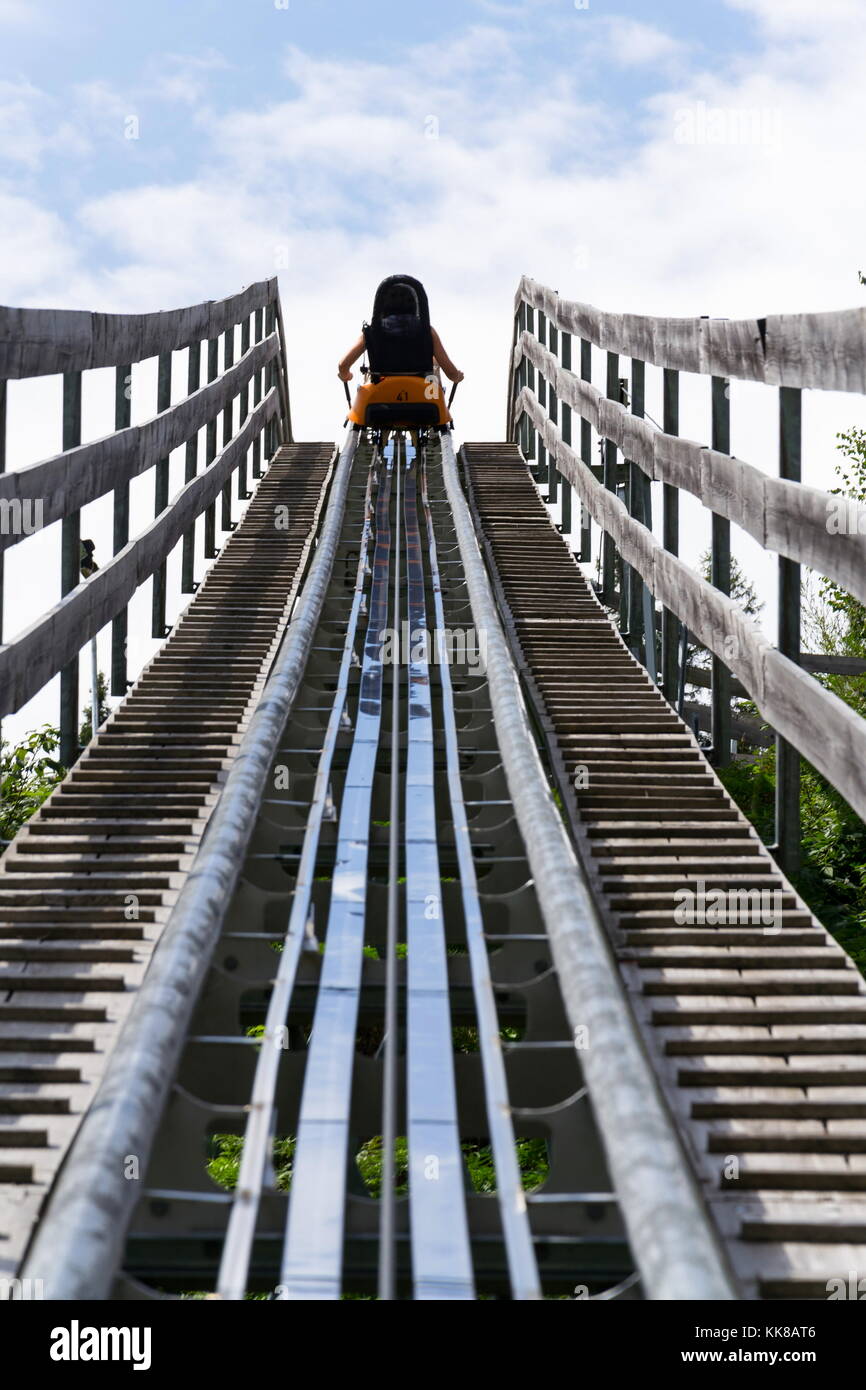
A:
x: 467, y: 143
x: 308, y: 125
x: 61, y: 43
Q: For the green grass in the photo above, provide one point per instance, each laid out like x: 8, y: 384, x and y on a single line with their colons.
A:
x: 226, y: 1150
x: 832, y: 879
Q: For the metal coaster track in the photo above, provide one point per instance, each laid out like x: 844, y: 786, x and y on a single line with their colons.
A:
x: 346, y: 960
x: 390, y: 935
x: 314, y: 883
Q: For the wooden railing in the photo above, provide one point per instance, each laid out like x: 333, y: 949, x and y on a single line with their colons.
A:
x: 38, y: 342
x: 791, y: 352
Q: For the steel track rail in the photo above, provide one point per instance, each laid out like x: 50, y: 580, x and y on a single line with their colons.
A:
x: 311, y: 1266
x: 259, y: 1135
x: 79, y: 1239
x: 390, y: 1041
x: 181, y: 1222
x: 523, y: 1270
x: 674, y: 1244
x: 89, y: 882
x: 753, y: 1016
x: 441, y: 1256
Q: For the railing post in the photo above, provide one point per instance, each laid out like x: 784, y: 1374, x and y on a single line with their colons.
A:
x: 525, y: 438
x: 284, y: 417
x: 649, y: 608
x: 120, y: 537
x: 632, y: 581
x: 514, y: 378
x: 529, y: 451
x: 160, y: 498
x: 787, y: 848
x: 670, y: 537
x: 565, y: 428
x: 257, y: 396
x: 228, y: 428
x: 210, y: 448
x: 721, y: 577
x: 193, y: 381
x: 552, y: 470
x: 585, y: 551
x: 70, y: 563
x: 243, y: 492
x: 2, y: 470
x: 608, y: 548
x: 540, y: 470
x: 270, y: 382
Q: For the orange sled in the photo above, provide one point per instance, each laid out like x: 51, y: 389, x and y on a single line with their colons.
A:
x: 401, y: 402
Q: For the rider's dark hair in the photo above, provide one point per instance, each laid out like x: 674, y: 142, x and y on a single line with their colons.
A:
x: 398, y: 299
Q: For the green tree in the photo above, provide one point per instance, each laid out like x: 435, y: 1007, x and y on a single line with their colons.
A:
x: 833, y: 877
x: 835, y: 620
x: 28, y: 774
x: 744, y: 593
x: 85, y: 733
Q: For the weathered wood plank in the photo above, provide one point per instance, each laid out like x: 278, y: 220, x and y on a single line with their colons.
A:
x: 810, y: 661
x: 824, y: 351
x: 55, y: 639
x: 40, y: 342
x: 821, y: 726
x: 812, y: 527
x: 827, y: 351
x: 69, y: 480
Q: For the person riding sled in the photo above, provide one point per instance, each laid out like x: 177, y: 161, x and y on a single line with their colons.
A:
x: 404, y: 357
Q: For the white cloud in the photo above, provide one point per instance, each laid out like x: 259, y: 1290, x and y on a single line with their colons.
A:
x: 36, y: 252
x: 31, y: 128
x: 348, y: 190
x: 337, y: 175
x: 19, y: 14
x: 785, y: 18
x: 630, y: 43
x: 183, y: 77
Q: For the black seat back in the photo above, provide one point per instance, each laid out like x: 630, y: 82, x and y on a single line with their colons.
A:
x: 399, y: 343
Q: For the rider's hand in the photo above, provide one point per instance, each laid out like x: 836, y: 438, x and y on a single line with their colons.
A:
x: 344, y: 375
x: 458, y: 376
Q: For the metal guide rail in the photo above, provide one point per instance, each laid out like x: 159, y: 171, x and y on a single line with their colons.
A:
x: 755, y: 1019
x: 88, y: 883
x: 313, y: 1045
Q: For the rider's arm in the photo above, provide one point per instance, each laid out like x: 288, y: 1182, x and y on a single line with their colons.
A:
x: 352, y: 355
x: 443, y: 360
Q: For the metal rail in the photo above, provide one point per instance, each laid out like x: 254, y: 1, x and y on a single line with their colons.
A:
x: 441, y: 1257
x: 88, y: 883
x: 523, y: 1269
x: 752, y: 1016
x: 300, y: 935
x: 494, y: 968
x: 390, y: 1040
x: 313, y: 1251
x: 447, y: 1241
x: 674, y: 1245
x: 442, y: 1241
x: 79, y: 1239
